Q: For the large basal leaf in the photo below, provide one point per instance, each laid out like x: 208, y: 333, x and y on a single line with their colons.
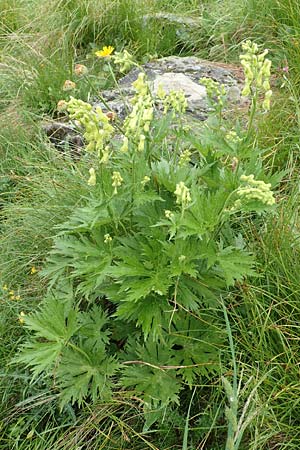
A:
x: 83, y: 373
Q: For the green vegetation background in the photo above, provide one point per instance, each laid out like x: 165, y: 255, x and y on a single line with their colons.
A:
x: 39, y: 44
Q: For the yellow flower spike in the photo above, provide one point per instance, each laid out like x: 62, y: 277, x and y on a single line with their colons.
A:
x: 33, y: 270
x: 169, y: 214
x: 107, y: 238
x: 21, y: 317
x: 105, y: 52
x: 116, y: 181
x: 69, y: 85
x: 92, y: 180
x: 183, y: 194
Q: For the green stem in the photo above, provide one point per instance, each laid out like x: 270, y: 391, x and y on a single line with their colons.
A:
x: 252, y: 115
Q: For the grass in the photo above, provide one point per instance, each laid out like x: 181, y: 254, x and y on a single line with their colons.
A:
x: 40, y: 42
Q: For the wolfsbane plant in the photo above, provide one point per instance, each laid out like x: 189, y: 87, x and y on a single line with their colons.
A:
x: 135, y: 274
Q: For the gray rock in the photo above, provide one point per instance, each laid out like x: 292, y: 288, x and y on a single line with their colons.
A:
x: 176, y: 73
x: 64, y: 136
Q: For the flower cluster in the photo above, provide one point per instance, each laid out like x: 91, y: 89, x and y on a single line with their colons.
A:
x: 92, y: 180
x: 116, y: 181
x: 10, y: 293
x: 137, y: 123
x: 98, y: 130
x: 215, y: 91
x: 145, y: 181
x: 254, y: 190
x: 185, y: 157
x: 169, y: 215
x: 183, y: 194
x: 232, y: 137
x: 107, y: 238
x: 257, y: 69
x: 124, y: 60
x: 175, y: 100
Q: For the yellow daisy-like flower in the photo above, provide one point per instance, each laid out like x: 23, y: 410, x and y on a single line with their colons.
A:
x: 105, y: 52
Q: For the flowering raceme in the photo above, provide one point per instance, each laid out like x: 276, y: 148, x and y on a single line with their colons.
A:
x: 215, y: 91
x: 124, y: 60
x: 257, y: 69
x: 137, y: 123
x: 116, y: 181
x: 254, y: 190
x: 183, y: 194
x: 98, y: 129
x: 92, y: 180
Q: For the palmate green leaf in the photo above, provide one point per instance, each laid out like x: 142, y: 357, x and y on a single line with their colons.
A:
x: 154, y: 383
x: 84, y: 258
x: 132, y: 289
x: 182, y: 255
x: 94, y: 214
x: 204, y: 214
x: 195, y: 343
x: 84, y: 373
x: 141, y: 268
x: 146, y: 197
x: 234, y: 264
x: 54, y: 321
x: 168, y: 175
x: 203, y: 290
x: 148, y: 313
x: 91, y: 324
x: 40, y: 357
x: 53, y: 325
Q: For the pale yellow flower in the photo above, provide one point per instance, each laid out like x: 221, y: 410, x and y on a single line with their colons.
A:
x: 183, y: 194
x: 21, y: 317
x: 105, y: 52
x: 33, y: 270
x: 169, y: 214
x: 107, y: 238
x: 116, y: 181
x: 92, y: 180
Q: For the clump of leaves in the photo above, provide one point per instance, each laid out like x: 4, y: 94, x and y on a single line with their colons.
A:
x: 136, y: 273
